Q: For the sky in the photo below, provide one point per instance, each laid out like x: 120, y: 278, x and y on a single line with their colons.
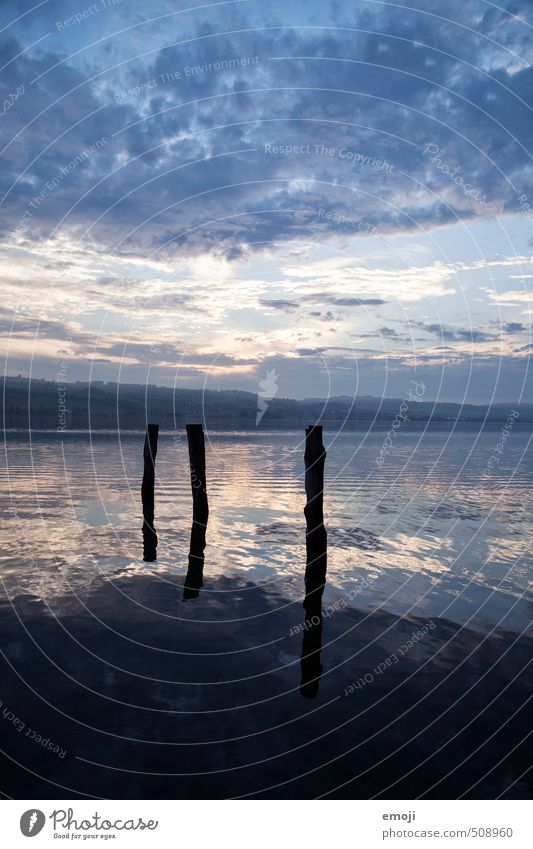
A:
x: 332, y: 197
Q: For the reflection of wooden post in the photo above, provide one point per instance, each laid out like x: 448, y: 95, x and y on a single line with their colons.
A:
x: 311, y: 648
x: 200, y: 510
x: 147, y: 492
x: 316, y: 562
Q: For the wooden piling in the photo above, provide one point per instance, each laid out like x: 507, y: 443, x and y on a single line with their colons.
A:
x: 147, y: 493
x: 200, y: 511
x: 316, y: 536
x: 316, y: 561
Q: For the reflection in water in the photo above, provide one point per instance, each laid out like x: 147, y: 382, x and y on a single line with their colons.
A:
x: 147, y: 494
x: 316, y: 562
x: 204, y: 703
x: 194, y: 578
x: 311, y: 646
x: 195, y: 573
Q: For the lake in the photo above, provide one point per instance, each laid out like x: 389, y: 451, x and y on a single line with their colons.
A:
x: 114, y: 686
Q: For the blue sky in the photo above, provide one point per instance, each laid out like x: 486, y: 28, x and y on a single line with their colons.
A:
x: 196, y: 194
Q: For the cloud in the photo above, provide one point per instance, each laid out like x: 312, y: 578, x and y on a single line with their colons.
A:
x: 513, y: 327
x: 249, y: 157
x: 511, y: 298
x: 309, y: 352
x: 185, y: 167
x: 354, y: 302
x: 456, y: 333
x: 279, y: 304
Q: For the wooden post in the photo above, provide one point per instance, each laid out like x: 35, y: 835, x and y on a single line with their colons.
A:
x: 147, y: 493
x: 316, y: 541
x: 316, y: 536
x: 200, y: 511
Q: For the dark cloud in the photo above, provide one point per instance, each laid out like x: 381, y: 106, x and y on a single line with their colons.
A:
x: 513, y: 327
x: 457, y: 334
x: 341, y: 301
x: 279, y: 304
x: 309, y: 352
x: 188, y: 163
x: 356, y: 302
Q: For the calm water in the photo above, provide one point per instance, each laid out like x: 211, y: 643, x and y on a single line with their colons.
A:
x: 147, y: 695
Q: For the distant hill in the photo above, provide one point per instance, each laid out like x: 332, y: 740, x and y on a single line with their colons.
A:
x: 99, y: 405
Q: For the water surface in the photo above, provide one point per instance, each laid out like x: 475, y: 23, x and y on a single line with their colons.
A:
x: 148, y: 695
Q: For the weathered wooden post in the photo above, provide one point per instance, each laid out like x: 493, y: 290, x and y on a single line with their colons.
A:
x: 316, y: 536
x: 316, y: 560
x: 200, y: 511
x: 147, y: 493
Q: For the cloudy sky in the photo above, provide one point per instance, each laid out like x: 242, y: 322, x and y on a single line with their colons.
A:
x: 196, y: 194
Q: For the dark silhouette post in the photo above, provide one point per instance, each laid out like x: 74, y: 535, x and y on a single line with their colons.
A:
x: 316, y: 561
x: 200, y: 511
x: 316, y: 536
x: 310, y: 664
x: 147, y: 493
